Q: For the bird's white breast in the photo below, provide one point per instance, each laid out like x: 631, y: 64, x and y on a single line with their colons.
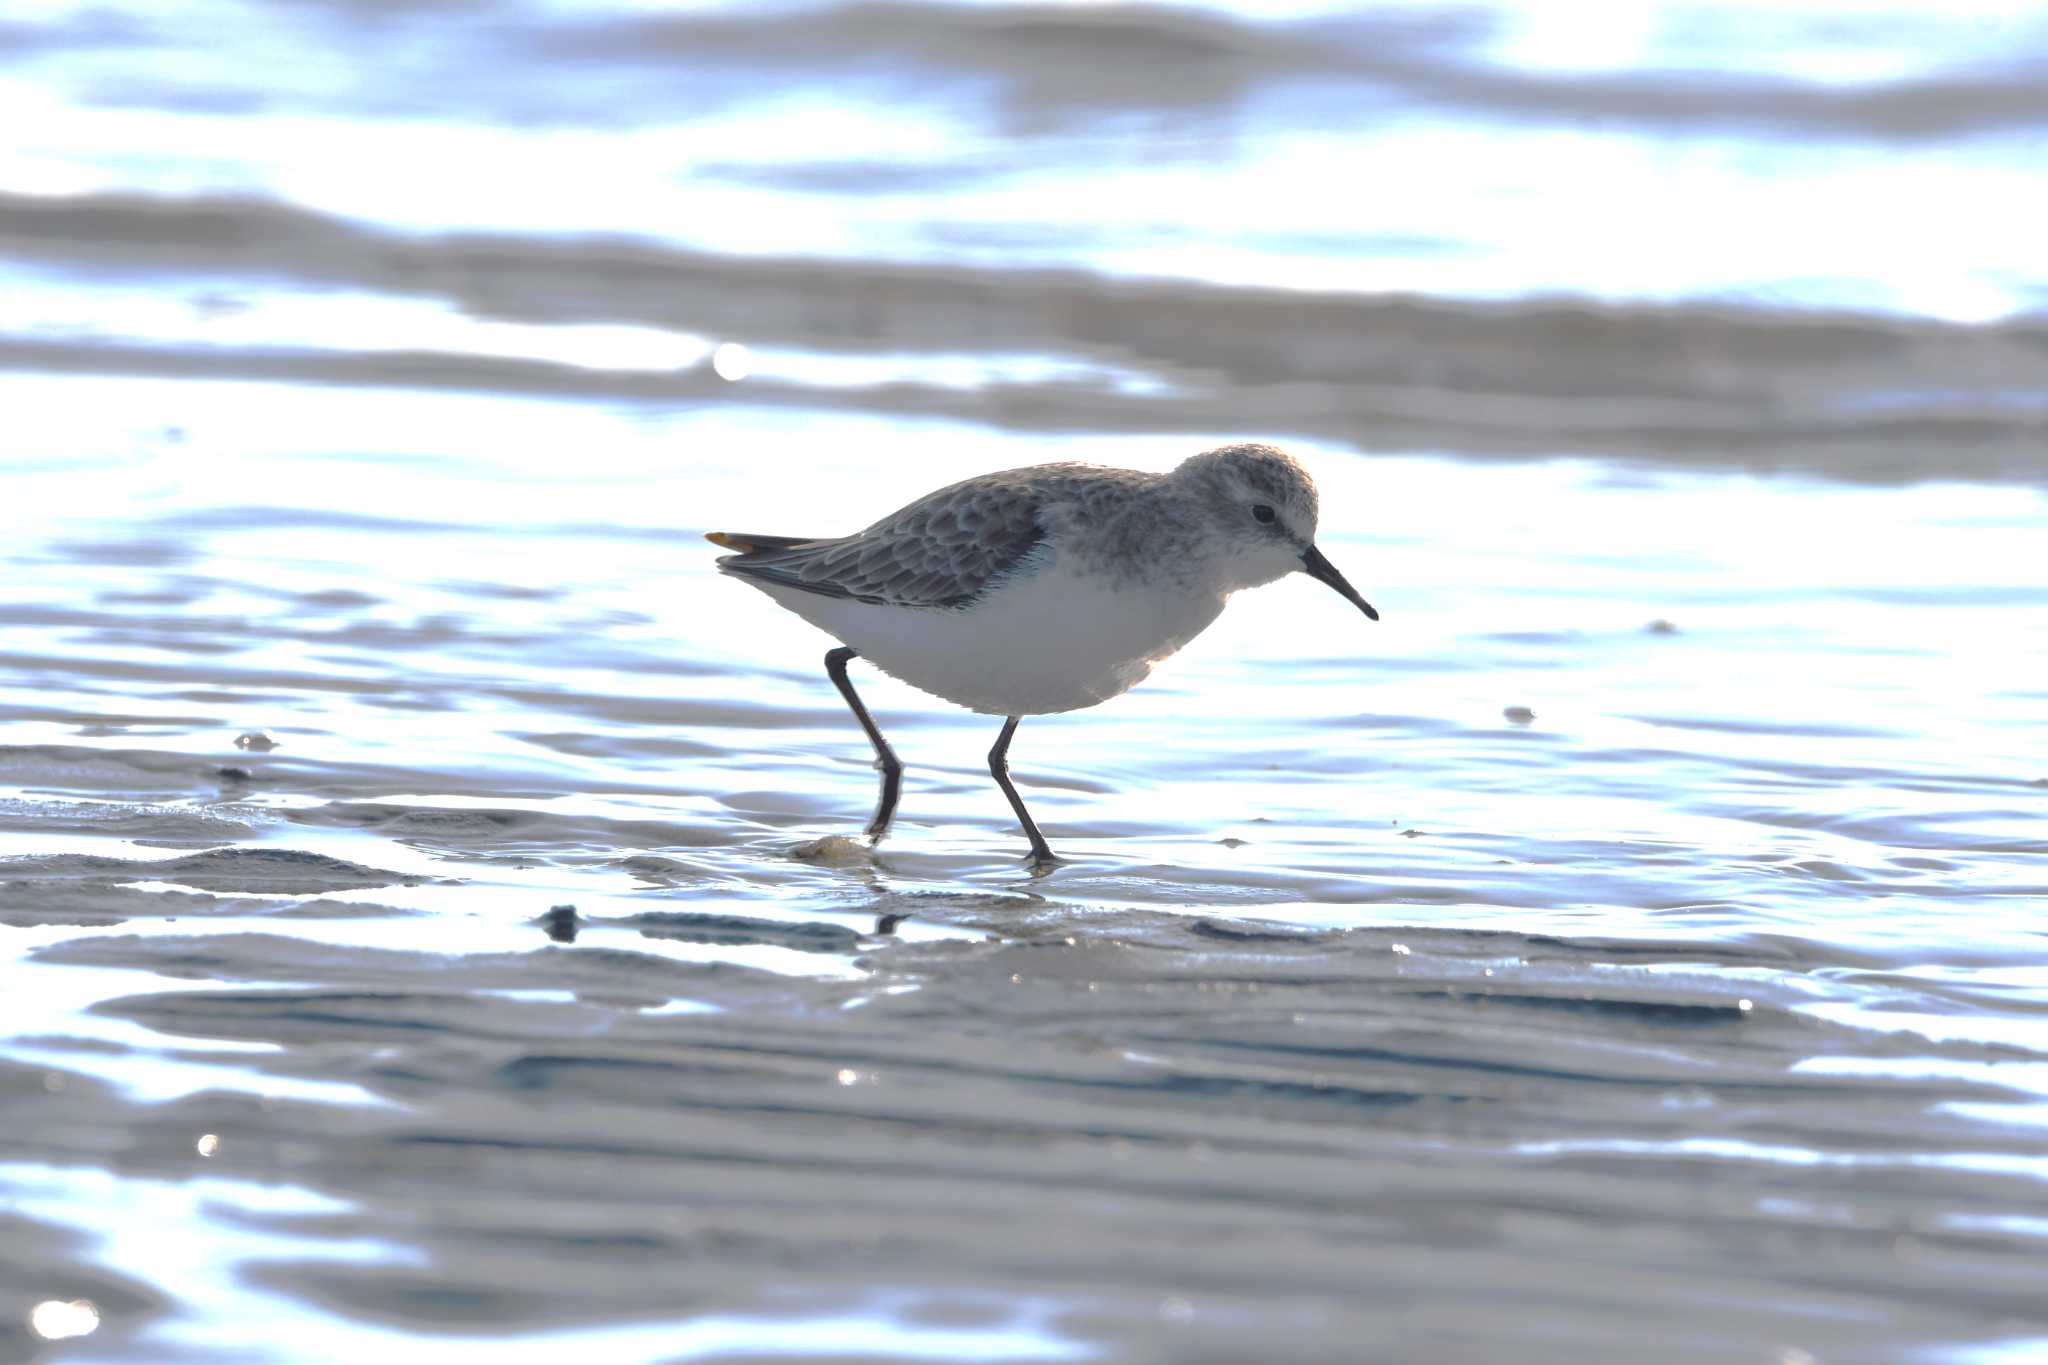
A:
x: 1053, y: 640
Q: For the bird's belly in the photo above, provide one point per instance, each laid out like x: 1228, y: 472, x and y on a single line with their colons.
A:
x: 1054, y: 641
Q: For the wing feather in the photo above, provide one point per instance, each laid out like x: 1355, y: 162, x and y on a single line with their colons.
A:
x: 944, y: 550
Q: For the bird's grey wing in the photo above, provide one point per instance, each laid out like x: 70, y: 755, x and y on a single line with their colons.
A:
x: 943, y: 550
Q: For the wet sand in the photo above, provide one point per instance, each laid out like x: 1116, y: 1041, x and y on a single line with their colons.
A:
x: 535, y: 998
x: 1159, y: 1136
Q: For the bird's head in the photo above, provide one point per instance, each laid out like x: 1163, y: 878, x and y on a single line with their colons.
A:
x: 1259, y: 507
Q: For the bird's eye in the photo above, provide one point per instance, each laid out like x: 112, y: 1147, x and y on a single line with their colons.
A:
x: 1262, y: 514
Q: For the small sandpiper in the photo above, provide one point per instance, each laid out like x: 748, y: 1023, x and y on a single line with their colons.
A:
x: 1045, y: 589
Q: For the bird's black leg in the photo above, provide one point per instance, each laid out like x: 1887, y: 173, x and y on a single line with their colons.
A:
x: 999, y: 765
x: 885, y: 757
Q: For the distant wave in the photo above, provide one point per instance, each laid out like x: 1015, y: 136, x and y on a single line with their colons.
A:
x: 1050, y: 57
x: 1043, y: 64
x: 1849, y: 395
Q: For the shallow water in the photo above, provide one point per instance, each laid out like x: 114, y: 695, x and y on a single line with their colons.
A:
x: 1632, y: 942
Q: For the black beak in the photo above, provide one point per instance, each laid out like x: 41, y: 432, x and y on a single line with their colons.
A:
x: 1323, y: 571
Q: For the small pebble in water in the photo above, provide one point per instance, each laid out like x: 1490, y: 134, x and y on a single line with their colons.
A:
x: 1520, y: 715
x: 256, y: 740
x: 1660, y: 626
x: 833, y: 850
x: 560, y: 923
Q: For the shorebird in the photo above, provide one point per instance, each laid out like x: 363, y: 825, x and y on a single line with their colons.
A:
x: 1033, y: 591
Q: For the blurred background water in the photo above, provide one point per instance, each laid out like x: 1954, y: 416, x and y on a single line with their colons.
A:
x: 1632, y: 943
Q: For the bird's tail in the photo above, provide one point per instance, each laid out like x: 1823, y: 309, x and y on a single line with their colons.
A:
x: 748, y: 545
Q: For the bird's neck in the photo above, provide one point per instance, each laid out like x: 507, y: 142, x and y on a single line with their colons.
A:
x: 1155, y: 540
